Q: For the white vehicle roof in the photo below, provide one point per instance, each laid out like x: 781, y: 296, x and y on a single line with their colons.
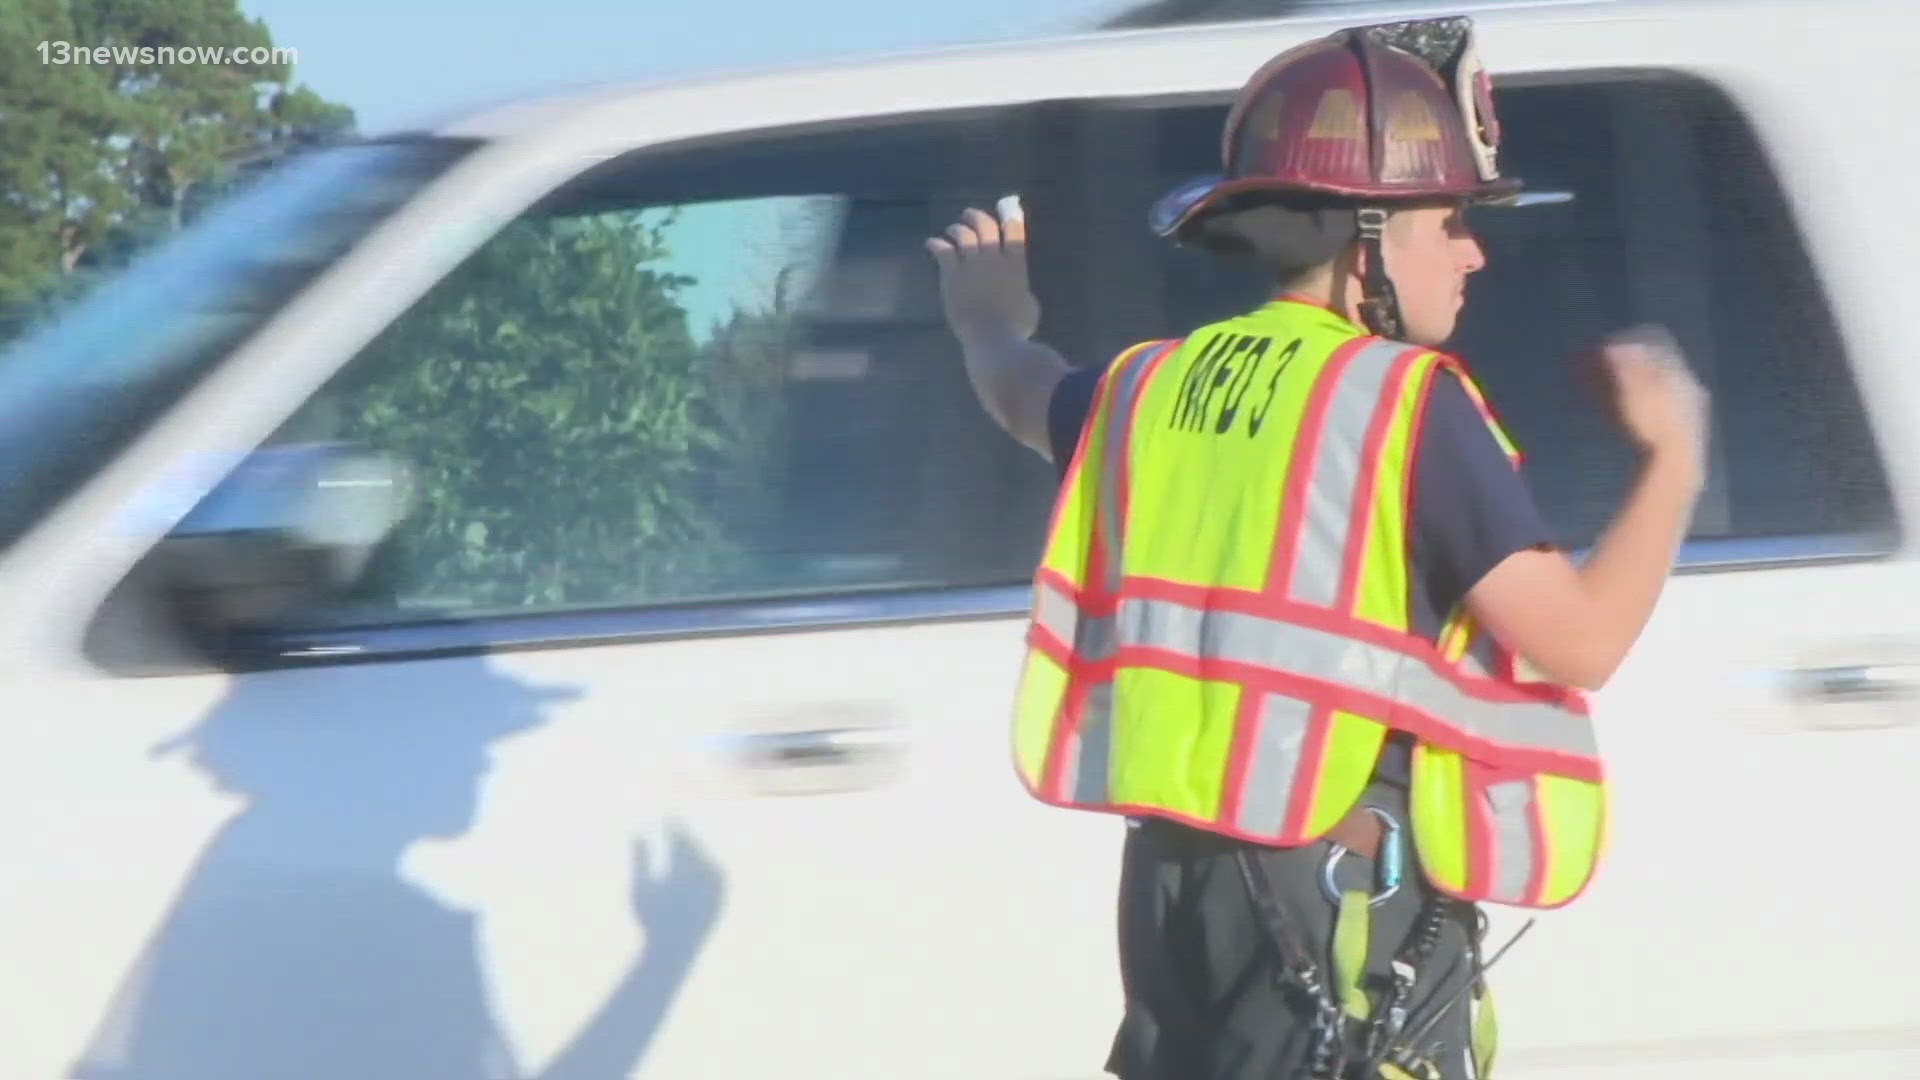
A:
x: 1188, y: 58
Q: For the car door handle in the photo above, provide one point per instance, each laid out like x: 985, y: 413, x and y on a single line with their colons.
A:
x: 818, y: 761
x: 812, y: 749
x: 1863, y: 683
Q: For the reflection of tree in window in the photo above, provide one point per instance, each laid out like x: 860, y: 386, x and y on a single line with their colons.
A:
x: 631, y: 398
x: 574, y: 442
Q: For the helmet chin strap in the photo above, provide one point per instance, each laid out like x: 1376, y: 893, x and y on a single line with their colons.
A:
x: 1379, y: 306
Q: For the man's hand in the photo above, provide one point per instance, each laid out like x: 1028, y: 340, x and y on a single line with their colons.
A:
x: 983, y: 275
x: 1661, y: 406
x: 992, y: 310
x: 1577, y: 623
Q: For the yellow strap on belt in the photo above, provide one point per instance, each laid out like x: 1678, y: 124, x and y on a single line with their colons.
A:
x: 1352, y: 928
x: 1415, y: 1070
x: 1486, y: 1036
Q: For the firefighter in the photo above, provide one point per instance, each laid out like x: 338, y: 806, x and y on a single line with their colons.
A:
x: 1297, y: 616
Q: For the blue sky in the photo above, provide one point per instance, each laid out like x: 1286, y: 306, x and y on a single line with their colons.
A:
x: 396, y: 61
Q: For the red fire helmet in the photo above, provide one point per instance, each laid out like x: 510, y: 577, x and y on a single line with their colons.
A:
x: 1372, y: 115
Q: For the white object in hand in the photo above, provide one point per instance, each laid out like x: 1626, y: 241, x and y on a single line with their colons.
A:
x: 1010, y: 210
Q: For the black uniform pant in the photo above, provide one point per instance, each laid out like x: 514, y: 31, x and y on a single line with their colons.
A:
x: 1205, y: 994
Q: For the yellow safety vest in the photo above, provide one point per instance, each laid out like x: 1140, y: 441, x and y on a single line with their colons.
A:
x: 1219, y: 631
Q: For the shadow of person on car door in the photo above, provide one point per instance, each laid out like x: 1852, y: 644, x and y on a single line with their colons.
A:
x: 297, y: 950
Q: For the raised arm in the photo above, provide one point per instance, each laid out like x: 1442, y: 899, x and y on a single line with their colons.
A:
x: 991, y: 309
x: 1576, y: 623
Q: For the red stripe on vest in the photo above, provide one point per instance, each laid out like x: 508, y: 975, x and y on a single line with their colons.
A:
x: 1246, y: 721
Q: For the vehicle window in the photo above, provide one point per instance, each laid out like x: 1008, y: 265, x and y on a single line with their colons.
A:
x: 1673, y: 217
x: 710, y: 374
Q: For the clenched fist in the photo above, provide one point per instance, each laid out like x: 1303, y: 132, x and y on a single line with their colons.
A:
x: 1661, y: 406
x: 983, y: 275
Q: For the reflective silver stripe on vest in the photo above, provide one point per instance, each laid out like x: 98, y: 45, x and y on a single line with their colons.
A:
x: 1508, y: 802
x: 1094, y: 758
x: 1279, y: 645
x: 1337, y: 466
x: 1091, y: 745
x: 1119, y: 431
x: 1277, y: 745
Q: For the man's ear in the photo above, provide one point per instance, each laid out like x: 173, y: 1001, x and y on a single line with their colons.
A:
x: 1353, y: 261
x: 1348, y: 270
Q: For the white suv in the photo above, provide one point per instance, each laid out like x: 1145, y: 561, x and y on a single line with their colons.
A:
x: 539, y: 597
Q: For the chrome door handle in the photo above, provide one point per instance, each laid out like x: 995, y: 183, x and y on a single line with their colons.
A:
x: 818, y: 761
x: 827, y: 746
x: 1864, y: 683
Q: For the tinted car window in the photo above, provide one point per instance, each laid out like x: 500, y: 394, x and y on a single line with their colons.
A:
x: 1655, y: 204
x: 712, y: 374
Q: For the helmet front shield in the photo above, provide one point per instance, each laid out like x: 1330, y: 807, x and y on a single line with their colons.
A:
x: 1447, y: 45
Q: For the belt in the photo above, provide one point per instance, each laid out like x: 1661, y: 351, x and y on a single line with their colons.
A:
x: 1359, y: 832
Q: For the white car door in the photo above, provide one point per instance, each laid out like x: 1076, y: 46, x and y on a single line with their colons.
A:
x: 667, y: 734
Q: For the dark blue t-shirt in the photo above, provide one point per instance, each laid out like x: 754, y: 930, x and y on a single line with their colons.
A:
x: 1471, y: 508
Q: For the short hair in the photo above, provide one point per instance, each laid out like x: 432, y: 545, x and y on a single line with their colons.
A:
x: 1289, y: 238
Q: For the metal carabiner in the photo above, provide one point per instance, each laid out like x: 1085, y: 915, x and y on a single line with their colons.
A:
x: 1389, y: 871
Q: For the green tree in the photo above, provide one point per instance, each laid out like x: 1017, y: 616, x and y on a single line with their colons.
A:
x: 99, y: 159
x: 59, y: 190
x: 570, y: 440
x: 185, y: 124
